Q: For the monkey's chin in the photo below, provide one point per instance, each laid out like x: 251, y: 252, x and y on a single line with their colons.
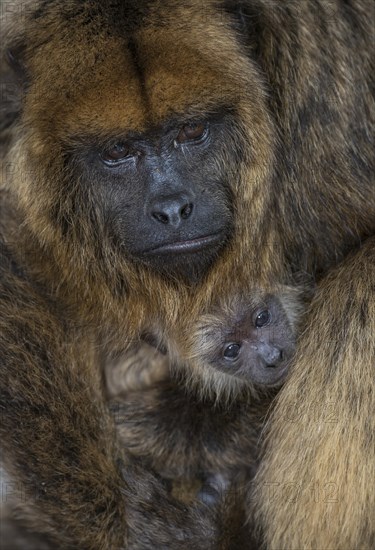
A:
x: 189, y: 272
x: 188, y: 266
x: 275, y: 378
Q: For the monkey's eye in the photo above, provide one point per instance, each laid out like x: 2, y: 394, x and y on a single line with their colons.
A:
x: 117, y: 154
x: 232, y: 351
x: 192, y: 132
x: 262, y: 319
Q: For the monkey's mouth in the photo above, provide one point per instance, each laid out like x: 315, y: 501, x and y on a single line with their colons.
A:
x: 183, y: 247
x: 277, y: 374
x: 186, y: 259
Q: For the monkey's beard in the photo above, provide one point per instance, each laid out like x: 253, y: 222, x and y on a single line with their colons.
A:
x: 188, y: 268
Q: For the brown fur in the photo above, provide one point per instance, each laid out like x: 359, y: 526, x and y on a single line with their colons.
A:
x: 89, y: 495
x: 299, y: 78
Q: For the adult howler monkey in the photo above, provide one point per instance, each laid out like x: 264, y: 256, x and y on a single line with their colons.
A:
x: 161, y: 156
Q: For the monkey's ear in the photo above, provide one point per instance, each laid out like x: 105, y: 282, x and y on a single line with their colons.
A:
x: 14, y: 57
x: 13, y: 80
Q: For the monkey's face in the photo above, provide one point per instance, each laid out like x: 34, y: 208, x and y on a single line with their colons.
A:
x: 144, y: 146
x: 255, y: 346
x: 163, y: 193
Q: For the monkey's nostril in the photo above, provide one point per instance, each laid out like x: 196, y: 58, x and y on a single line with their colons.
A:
x: 160, y: 217
x: 171, y: 210
x: 186, y: 211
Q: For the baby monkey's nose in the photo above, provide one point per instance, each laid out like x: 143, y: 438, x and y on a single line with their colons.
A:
x: 270, y: 354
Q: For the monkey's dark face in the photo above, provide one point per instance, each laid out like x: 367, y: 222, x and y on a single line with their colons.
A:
x: 162, y: 193
x: 257, y: 346
x: 148, y: 148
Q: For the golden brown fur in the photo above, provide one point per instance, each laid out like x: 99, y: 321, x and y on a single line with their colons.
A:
x: 319, y: 458
x: 91, y: 497
x: 300, y: 163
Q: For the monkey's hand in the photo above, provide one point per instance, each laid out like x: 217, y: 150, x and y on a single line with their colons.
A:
x: 139, y: 369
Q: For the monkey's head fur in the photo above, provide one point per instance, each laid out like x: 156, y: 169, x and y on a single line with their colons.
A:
x: 140, y: 160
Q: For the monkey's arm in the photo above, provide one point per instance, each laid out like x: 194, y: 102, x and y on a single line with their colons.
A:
x: 317, y: 481
x: 55, y: 447
x: 59, y: 444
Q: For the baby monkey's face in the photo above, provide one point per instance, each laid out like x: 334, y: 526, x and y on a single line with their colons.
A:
x: 253, y: 341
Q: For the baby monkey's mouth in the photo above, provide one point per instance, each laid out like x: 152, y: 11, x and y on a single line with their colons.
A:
x: 277, y: 373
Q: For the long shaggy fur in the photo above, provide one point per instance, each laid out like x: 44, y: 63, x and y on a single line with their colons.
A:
x: 315, y: 488
x: 299, y: 78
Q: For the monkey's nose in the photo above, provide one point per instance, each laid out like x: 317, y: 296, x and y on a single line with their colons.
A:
x: 172, y: 211
x: 271, y: 355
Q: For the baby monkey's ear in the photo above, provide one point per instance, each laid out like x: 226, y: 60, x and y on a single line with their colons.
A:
x: 13, y: 80
x: 15, y: 58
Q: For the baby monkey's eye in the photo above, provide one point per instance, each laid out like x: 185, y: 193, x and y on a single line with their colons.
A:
x: 232, y: 351
x: 262, y: 319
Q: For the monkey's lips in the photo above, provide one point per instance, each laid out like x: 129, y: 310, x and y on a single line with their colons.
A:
x: 187, y: 259
x: 277, y: 374
x: 184, y: 247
